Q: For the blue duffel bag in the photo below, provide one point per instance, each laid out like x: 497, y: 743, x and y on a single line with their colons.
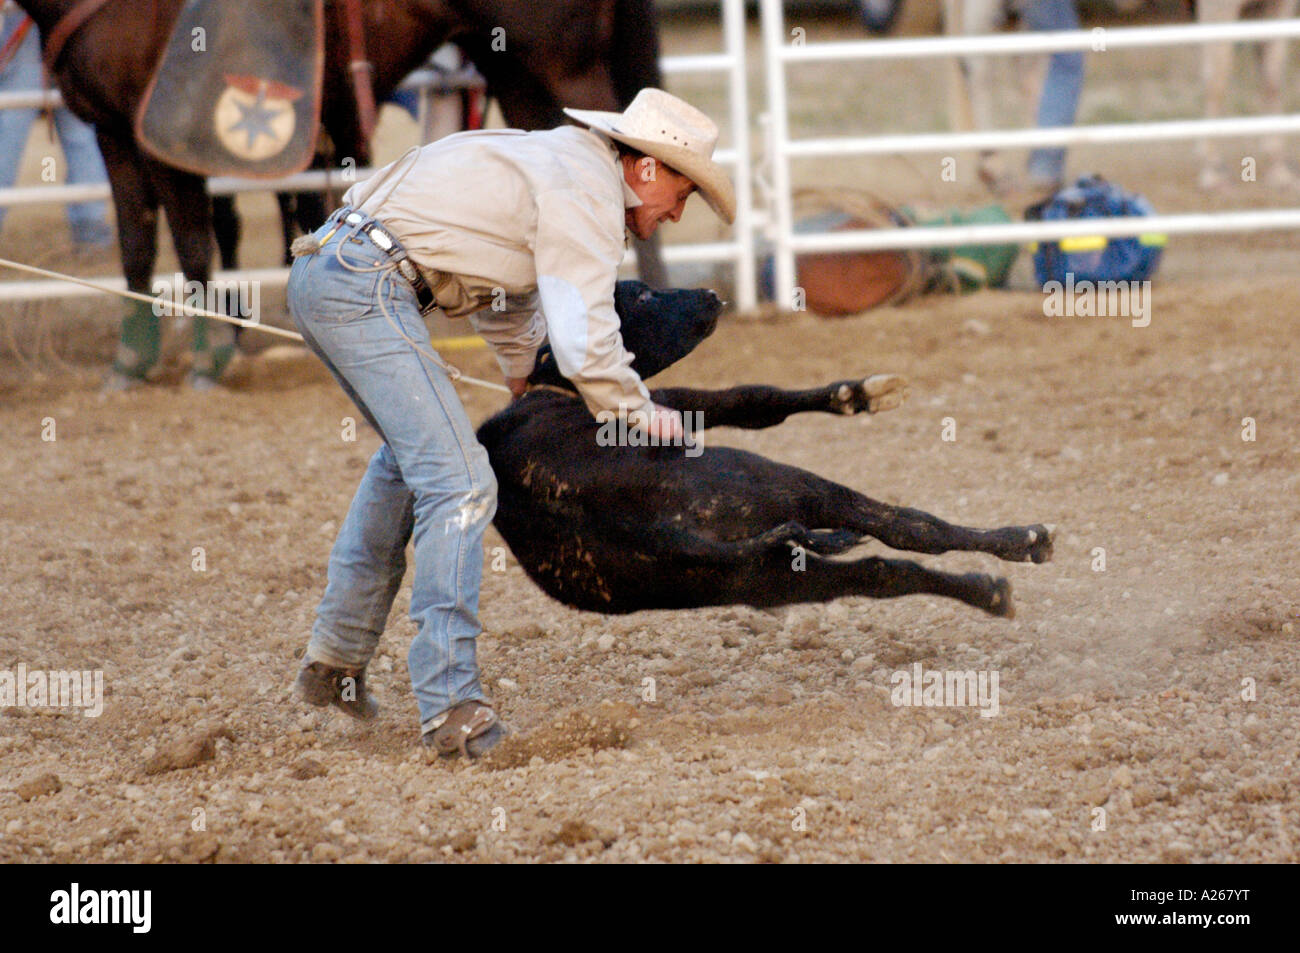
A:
x: 1094, y: 257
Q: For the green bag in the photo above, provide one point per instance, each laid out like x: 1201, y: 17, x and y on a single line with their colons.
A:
x: 969, y: 268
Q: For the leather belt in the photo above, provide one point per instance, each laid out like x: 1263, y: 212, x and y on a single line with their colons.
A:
x: 390, y: 246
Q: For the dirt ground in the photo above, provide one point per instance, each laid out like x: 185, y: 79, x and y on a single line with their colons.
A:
x: 1160, y: 685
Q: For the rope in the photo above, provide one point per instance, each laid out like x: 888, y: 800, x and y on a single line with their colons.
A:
x: 193, y: 311
x: 387, y: 269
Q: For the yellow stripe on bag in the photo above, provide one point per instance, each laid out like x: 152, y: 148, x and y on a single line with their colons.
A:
x: 1096, y: 242
x: 1083, y: 243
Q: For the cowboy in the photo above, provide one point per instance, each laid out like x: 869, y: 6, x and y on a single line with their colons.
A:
x: 522, y: 233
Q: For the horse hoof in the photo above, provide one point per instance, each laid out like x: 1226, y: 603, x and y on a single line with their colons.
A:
x: 877, y: 393
x: 1000, y: 602
x: 1041, y: 538
x: 201, y: 383
x: 1212, y: 180
x: 115, y: 382
x: 1280, y: 176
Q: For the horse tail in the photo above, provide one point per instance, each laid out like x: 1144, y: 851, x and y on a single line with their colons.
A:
x: 635, y: 48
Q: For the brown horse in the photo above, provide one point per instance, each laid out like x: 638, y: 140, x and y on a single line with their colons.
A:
x: 592, y: 55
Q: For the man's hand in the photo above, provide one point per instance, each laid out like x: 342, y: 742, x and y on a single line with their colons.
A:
x: 517, y: 386
x: 665, y: 424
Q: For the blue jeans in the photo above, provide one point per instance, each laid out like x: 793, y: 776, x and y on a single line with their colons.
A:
x: 430, y: 481
x: 1064, y: 82
x: 80, y: 149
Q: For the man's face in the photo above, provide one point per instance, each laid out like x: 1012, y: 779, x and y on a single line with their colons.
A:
x: 662, y: 191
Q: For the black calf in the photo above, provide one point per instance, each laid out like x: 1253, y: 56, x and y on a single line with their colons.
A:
x: 619, y: 528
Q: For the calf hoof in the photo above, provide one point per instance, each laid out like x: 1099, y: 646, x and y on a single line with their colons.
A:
x: 877, y: 393
x: 1024, y: 544
x: 1000, y: 603
x: 1040, y: 542
x: 830, y: 542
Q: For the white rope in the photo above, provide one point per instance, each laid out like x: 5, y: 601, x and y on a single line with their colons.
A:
x: 195, y: 311
x: 150, y: 299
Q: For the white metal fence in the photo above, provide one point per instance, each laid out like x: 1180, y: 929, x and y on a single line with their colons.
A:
x: 739, y: 250
x: 778, y: 54
x: 781, y: 150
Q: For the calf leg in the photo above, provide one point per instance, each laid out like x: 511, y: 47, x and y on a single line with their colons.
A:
x: 917, y: 531
x: 785, y: 566
x: 754, y: 407
x: 672, y: 541
x: 773, y: 583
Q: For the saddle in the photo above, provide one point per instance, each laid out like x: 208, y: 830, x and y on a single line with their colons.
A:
x: 238, y: 88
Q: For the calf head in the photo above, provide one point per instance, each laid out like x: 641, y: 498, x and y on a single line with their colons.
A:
x: 658, y: 327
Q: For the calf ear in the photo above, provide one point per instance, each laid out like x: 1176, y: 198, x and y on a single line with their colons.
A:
x: 545, y: 370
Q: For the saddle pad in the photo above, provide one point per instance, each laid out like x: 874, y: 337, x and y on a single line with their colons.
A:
x: 238, y: 89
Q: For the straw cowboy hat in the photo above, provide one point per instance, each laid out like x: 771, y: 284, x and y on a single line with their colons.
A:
x: 674, y: 132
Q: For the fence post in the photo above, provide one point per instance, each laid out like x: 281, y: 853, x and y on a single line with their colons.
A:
x: 781, y: 213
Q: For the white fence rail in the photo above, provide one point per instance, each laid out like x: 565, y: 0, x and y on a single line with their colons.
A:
x: 739, y: 250
x: 778, y: 54
x: 731, y: 61
x: 781, y: 149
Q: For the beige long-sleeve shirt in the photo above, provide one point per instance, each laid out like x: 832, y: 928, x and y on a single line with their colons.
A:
x: 523, y: 233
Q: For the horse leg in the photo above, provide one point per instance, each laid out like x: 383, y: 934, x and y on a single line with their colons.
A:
x: 309, y: 212
x: 1216, y: 64
x: 961, y: 116
x: 136, y: 202
x: 227, y: 227
x: 1273, y: 60
x: 288, y: 204
x: 972, y: 92
x: 189, y: 213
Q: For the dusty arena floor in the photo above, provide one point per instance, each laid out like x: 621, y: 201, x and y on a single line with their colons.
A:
x: 1160, y: 686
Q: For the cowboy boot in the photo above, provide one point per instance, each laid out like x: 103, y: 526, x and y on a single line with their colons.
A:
x: 345, y: 688
x: 471, y: 729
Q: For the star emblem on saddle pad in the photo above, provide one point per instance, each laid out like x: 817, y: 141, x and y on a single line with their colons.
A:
x: 254, y: 117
